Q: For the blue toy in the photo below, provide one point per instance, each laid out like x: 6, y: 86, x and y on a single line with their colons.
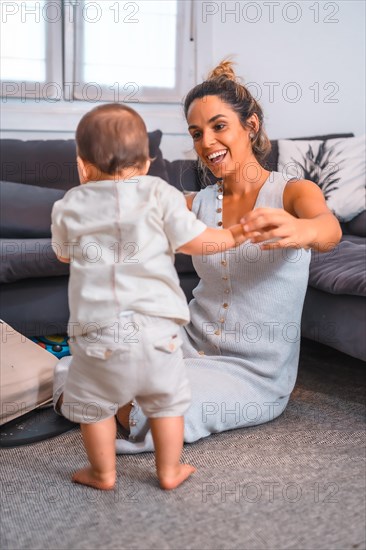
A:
x: 56, y: 344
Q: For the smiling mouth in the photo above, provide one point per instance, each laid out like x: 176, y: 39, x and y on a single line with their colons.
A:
x: 217, y: 157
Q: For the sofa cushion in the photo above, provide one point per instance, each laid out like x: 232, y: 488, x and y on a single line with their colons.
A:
x: 342, y: 270
x: 52, y: 163
x: 183, y: 174
x: 183, y: 264
x: 25, y: 210
x: 26, y: 207
x: 337, y: 166
x: 157, y: 167
x: 271, y: 161
x: 48, y: 163
x: 32, y: 258
x: 187, y: 176
x: 28, y: 259
x: 357, y: 226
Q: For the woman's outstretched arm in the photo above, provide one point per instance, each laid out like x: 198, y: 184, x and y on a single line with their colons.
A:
x: 305, y: 221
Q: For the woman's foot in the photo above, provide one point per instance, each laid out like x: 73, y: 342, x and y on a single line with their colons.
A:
x: 175, y: 479
x: 87, y: 476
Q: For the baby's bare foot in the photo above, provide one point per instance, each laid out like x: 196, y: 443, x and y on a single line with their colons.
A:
x: 87, y: 476
x: 173, y: 481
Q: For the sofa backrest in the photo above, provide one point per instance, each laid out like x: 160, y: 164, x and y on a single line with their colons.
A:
x: 52, y: 163
x: 49, y: 163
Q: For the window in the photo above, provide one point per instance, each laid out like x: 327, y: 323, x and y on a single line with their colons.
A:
x: 31, y: 44
x: 110, y: 50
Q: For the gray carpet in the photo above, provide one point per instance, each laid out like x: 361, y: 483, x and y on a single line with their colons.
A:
x: 295, y: 483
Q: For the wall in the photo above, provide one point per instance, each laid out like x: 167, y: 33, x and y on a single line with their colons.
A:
x: 309, y: 75
x: 305, y: 61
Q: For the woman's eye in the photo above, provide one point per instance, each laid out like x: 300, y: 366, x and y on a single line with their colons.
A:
x: 196, y: 135
x: 219, y: 126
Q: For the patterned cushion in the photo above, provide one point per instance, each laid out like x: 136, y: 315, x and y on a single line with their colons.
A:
x: 336, y: 165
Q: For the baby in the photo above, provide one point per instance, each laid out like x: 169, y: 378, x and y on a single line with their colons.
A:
x: 120, y: 232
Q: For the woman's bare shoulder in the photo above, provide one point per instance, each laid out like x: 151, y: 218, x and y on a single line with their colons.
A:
x: 304, y: 198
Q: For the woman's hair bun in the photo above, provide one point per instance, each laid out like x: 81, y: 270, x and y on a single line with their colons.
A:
x: 223, y: 70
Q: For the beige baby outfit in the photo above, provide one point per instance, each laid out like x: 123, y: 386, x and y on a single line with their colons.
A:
x: 124, y: 296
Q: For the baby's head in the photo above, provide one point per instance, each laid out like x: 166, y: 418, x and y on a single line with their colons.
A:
x: 112, y: 143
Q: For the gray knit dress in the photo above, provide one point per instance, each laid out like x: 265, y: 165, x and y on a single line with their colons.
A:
x: 241, y: 347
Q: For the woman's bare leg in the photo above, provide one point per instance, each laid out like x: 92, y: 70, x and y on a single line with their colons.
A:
x: 99, y: 441
x: 123, y: 415
x: 167, y: 434
x: 59, y: 403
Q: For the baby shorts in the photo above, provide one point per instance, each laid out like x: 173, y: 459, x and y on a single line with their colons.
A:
x: 139, y: 358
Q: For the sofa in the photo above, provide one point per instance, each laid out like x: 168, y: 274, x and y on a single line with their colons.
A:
x: 33, y: 297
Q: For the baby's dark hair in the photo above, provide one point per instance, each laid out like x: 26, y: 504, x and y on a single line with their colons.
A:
x: 112, y: 137
x: 222, y: 82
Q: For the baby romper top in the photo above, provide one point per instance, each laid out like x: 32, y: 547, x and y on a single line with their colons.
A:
x: 121, y: 237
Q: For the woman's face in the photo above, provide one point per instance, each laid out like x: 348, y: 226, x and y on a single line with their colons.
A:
x: 219, y: 139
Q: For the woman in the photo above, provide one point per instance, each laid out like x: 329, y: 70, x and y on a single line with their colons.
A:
x: 242, y: 345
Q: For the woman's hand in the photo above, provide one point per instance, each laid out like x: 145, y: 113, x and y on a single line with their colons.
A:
x: 305, y: 221
x: 287, y: 231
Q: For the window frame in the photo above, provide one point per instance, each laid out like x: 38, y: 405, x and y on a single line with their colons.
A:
x: 54, y: 67
x: 131, y: 92
x: 63, y: 64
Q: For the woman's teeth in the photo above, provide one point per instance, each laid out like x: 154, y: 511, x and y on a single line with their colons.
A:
x: 216, y: 158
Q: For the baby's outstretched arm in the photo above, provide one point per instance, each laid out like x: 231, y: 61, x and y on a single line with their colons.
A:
x: 212, y: 241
